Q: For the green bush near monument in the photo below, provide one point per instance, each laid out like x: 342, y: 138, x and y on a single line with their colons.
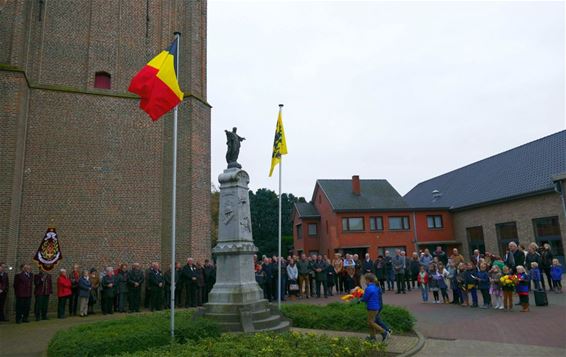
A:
x: 345, y: 317
x: 130, y: 334
x: 292, y: 344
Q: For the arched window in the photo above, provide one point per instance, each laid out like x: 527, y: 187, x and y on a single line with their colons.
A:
x: 102, y: 80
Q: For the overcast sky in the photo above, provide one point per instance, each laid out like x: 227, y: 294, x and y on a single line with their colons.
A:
x: 401, y: 91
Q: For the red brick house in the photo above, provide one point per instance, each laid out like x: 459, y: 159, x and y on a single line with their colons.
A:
x: 359, y: 216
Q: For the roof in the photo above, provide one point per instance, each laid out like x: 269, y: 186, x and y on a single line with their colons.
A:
x: 306, y: 210
x: 374, y: 195
x: 520, y: 172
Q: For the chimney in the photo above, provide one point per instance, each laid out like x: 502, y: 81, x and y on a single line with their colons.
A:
x: 356, y: 185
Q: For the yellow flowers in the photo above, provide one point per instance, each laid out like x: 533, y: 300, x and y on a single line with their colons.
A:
x: 509, y: 280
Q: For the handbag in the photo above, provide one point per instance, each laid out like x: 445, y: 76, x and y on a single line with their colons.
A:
x: 293, y: 286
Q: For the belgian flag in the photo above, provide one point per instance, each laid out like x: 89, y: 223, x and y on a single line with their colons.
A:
x: 157, y: 83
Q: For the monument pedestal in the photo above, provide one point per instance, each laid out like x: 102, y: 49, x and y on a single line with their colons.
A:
x: 236, y: 301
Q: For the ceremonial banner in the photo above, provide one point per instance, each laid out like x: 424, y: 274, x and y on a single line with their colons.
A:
x: 157, y: 84
x: 49, y: 252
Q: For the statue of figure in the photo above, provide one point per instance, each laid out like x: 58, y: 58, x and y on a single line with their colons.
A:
x: 233, y: 142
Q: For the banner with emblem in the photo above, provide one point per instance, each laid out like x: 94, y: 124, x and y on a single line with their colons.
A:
x: 49, y: 252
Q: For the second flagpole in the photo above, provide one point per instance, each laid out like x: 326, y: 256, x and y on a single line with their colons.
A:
x: 280, y: 289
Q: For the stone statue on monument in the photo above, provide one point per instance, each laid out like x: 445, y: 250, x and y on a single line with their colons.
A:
x: 233, y: 141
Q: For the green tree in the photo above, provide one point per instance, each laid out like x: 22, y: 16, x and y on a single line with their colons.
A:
x: 264, y: 207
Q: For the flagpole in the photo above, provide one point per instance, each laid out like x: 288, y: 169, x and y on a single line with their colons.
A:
x: 174, y: 196
x: 280, y: 290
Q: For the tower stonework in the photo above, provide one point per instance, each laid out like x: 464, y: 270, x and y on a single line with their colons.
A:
x: 87, y: 159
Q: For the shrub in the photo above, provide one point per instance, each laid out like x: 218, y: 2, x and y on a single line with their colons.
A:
x: 341, y: 316
x: 292, y: 344
x: 130, y: 334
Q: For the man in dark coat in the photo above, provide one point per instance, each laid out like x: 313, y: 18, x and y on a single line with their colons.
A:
x: 514, y: 257
x: 74, y: 300
x: 4, y: 283
x: 441, y: 255
x: 320, y: 268
x: 135, y: 282
x: 268, y: 276
x: 108, y: 289
x: 201, y: 289
x: 190, y: 278
x: 168, y: 281
x: 23, y: 283
x: 156, y: 285
x: 122, y: 287
x: 43, y: 288
x: 209, y: 277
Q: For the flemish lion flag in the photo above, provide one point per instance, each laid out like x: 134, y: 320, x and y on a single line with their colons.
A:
x: 157, y: 84
x: 279, y: 144
x: 49, y: 251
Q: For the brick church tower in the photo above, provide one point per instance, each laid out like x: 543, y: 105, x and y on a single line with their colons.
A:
x: 75, y: 149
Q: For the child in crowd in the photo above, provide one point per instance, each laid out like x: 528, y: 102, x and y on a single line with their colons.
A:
x: 444, y: 283
x: 422, y: 280
x: 507, y: 291
x: 556, y: 275
x: 483, y: 284
x: 495, y: 287
x: 535, y: 275
x: 523, y: 288
x: 434, y: 282
x: 470, y: 280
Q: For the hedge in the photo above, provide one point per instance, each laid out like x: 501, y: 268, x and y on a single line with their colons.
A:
x: 291, y: 344
x: 342, y: 316
x: 129, y: 334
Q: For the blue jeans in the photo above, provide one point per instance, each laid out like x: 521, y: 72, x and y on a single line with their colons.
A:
x: 380, y: 322
x: 424, y: 292
x: 474, y: 296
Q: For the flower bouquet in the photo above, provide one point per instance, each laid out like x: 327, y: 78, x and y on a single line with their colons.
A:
x: 354, y: 295
x: 509, y: 281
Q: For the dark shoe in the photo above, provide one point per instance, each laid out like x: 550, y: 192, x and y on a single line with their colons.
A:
x: 371, y: 339
x: 385, y: 336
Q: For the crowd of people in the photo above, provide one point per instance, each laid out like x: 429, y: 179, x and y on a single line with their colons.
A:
x: 114, y: 290
x: 304, y: 277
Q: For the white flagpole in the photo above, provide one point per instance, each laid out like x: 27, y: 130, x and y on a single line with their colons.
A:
x: 174, y: 196
x: 280, y: 288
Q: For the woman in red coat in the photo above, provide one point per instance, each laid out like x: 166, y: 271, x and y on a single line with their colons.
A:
x: 64, y: 292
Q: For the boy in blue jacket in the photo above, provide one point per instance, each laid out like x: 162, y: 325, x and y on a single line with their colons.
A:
x: 372, y: 298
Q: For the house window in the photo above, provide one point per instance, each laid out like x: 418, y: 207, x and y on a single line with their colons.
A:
x: 434, y: 221
x: 376, y: 223
x: 312, y: 229
x: 475, y: 239
x: 547, y: 230
x: 299, y: 228
x: 399, y: 223
x: 506, y: 233
x: 102, y: 80
x: 353, y: 224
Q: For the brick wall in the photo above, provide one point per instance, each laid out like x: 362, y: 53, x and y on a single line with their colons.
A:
x: 521, y: 211
x: 90, y: 159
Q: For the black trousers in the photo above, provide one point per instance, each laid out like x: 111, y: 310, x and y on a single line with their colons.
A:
x: 61, y: 306
x: 40, y: 307
x: 486, y: 297
x: 74, y: 302
x: 107, y: 304
x: 191, y: 294
x: 324, y: 284
x: 22, y: 309
x: 157, y: 299
x: 3, y: 305
x: 134, y: 296
x: 400, y: 279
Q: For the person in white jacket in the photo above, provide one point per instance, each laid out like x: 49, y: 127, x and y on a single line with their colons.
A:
x: 292, y: 276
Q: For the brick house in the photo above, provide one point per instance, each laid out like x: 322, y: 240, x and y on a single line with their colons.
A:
x: 517, y: 195
x: 78, y: 153
x: 359, y: 216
